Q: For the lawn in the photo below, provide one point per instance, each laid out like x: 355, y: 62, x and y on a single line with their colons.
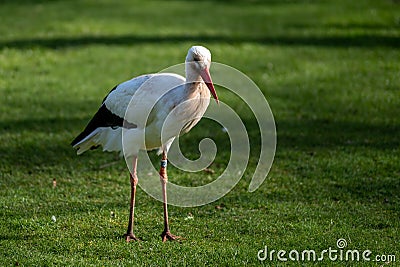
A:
x: 330, y: 71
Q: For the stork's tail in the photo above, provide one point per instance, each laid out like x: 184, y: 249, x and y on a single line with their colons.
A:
x: 109, y: 138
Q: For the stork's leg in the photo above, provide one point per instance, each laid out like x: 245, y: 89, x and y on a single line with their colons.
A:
x: 134, y: 180
x: 166, y: 234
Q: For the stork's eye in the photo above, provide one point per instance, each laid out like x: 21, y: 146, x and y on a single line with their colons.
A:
x: 196, y: 58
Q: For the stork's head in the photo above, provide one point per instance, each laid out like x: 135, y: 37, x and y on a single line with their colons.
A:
x: 198, y: 62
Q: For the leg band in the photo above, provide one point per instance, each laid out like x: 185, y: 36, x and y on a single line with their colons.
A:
x: 164, y: 163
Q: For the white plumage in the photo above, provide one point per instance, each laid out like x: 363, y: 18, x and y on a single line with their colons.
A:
x: 151, y: 110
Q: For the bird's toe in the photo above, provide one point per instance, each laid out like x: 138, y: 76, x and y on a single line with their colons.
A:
x: 166, y: 235
x: 131, y: 237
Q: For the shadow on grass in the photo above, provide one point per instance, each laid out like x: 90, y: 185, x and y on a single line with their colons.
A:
x: 310, y: 134
x: 307, y: 135
x: 35, y: 144
x: 362, y: 40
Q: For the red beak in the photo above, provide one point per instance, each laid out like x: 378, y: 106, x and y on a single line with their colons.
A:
x: 205, y: 74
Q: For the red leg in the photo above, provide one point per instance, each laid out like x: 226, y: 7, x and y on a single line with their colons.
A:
x: 134, y: 180
x: 166, y: 234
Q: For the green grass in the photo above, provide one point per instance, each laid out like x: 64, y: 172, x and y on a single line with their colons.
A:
x: 329, y: 69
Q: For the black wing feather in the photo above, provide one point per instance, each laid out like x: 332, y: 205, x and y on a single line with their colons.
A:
x: 103, y: 118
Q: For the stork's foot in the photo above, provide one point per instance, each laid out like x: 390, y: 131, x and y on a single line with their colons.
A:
x: 131, y: 237
x: 166, y: 235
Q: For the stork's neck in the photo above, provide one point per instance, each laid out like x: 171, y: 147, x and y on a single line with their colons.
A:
x: 195, y: 86
x: 192, y: 76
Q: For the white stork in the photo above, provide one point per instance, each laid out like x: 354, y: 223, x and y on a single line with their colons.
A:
x: 116, y: 114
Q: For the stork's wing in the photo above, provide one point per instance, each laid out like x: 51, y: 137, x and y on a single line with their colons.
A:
x: 153, y: 99
x: 112, y: 110
x: 118, y: 99
x: 131, y: 104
